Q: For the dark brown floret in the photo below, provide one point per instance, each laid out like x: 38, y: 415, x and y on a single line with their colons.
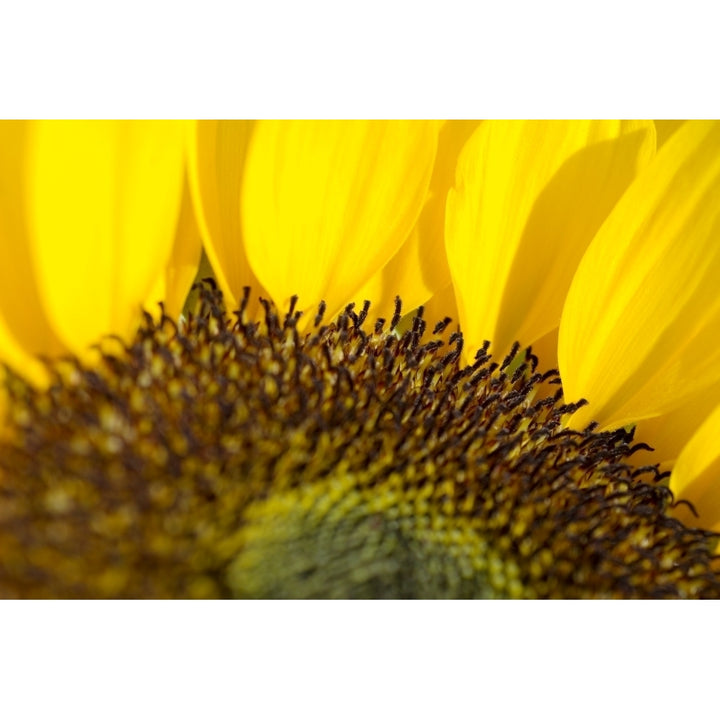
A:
x: 228, y: 458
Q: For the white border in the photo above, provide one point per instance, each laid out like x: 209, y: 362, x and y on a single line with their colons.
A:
x: 378, y: 58
x: 358, y: 659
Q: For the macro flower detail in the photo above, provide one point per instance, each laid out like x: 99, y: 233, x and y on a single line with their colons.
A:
x: 305, y: 194
x: 528, y: 199
x: 88, y: 214
x: 419, y: 269
x: 235, y: 460
x: 639, y: 339
x: 695, y: 474
x: 299, y: 433
x: 216, y: 160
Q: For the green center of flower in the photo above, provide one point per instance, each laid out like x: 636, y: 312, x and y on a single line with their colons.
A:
x: 228, y: 458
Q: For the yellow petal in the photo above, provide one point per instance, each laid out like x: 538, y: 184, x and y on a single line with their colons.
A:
x: 24, y: 329
x: 545, y: 348
x: 440, y: 306
x: 174, y: 282
x: 696, y: 475
x: 639, y: 333
x: 325, y: 204
x: 216, y: 168
x: 665, y: 128
x: 667, y: 434
x: 419, y: 269
x: 529, y: 197
x: 102, y: 202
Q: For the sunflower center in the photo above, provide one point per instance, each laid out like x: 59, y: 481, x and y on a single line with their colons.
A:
x: 229, y: 458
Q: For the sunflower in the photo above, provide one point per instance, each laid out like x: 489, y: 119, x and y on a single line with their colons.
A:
x: 298, y: 434
x: 93, y: 209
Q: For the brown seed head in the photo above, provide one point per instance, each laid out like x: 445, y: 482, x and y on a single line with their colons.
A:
x: 232, y: 459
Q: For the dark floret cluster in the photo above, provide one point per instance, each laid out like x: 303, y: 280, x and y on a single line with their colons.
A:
x: 232, y: 458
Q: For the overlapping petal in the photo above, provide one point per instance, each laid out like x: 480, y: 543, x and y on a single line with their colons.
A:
x: 696, y: 475
x: 326, y: 204
x: 639, y: 331
x: 176, y: 278
x: 665, y: 128
x: 419, y: 270
x: 668, y: 433
x: 529, y: 197
x: 88, y: 214
x: 218, y: 151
